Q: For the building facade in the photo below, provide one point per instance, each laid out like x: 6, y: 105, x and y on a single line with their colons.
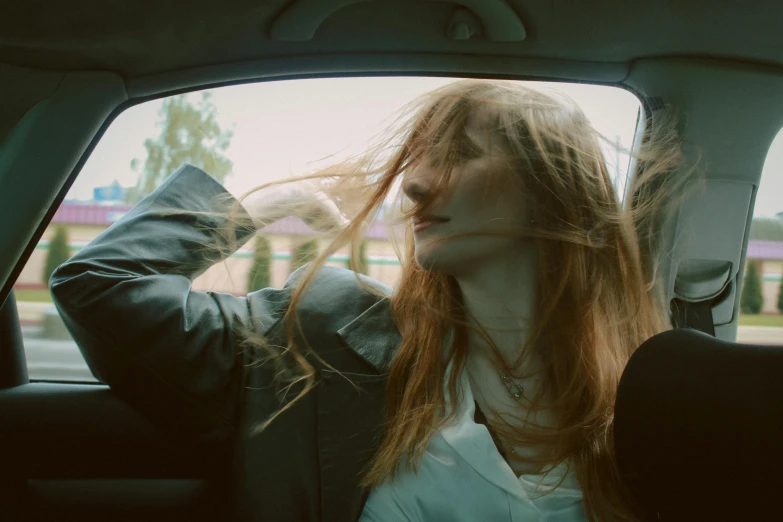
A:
x: 769, y: 255
x: 85, y: 221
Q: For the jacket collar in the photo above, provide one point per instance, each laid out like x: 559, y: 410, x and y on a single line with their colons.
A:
x: 373, y: 336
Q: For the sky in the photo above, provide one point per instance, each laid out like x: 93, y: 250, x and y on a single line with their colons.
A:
x: 284, y: 128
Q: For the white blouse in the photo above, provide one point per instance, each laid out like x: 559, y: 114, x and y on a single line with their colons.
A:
x: 463, y: 478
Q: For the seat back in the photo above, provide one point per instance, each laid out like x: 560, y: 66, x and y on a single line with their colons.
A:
x: 699, y: 428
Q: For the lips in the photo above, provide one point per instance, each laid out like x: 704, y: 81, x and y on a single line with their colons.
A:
x: 426, y: 221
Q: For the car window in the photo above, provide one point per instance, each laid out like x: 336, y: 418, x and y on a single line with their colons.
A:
x: 244, y: 136
x: 761, y: 300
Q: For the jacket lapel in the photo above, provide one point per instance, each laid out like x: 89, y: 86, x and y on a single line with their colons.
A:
x: 373, y: 336
x: 351, y: 414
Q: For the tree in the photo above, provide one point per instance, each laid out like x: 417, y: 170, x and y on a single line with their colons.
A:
x: 751, y: 299
x: 766, y: 229
x: 303, y: 254
x: 190, y: 133
x: 59, y: 252
x: 361, y: 262
x: 780, y: 296
x: 260, y: 272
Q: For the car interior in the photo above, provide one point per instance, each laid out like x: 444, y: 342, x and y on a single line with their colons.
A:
x: 699, y: 417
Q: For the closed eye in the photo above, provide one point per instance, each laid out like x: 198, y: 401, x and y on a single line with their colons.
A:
x: 466, y: 150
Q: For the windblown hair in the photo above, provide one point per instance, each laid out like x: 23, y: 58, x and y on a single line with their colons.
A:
x: 597, y: 298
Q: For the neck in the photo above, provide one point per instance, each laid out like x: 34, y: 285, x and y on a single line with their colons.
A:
x: 499, y: 295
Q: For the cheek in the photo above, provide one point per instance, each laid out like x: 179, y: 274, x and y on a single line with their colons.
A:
x: 471, y: 195
x: 496, y: 207
x: 507, y: 202
x: 482, y: 194
x: 513, y: 208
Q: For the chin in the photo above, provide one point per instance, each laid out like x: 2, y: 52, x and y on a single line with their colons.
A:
x: 464, y: 255
x: 427, y: 262
x: 447, y: 258
x: 431, y: 257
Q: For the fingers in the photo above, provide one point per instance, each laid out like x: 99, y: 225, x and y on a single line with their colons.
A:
x: 303, y: 199
x: 323, y: 215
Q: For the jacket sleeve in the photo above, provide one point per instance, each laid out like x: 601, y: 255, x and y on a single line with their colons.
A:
x: 126, y: 298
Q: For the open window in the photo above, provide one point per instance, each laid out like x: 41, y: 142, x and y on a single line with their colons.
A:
x: 244, y: 136
x: 761, y: 301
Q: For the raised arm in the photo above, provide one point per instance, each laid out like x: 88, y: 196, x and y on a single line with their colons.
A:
x: 127, y: 299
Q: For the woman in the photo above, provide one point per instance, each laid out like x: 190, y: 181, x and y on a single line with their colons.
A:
x: 481, y: 388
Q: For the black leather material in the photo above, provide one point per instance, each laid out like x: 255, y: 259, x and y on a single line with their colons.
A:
x: 82, y: 431
x: 77, y: 452
x: 699, y: 428
x: 693, y: 315
x: 174, y: 354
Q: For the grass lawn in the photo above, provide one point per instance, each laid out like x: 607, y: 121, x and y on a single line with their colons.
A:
x: 35, y: 296
x: 761, y: 320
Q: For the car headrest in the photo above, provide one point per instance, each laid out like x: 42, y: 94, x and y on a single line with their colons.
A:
x: 699, y: 428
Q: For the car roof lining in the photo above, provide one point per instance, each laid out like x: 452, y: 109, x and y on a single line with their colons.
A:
x: 135, y: 39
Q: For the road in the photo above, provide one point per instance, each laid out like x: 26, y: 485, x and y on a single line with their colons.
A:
x: 760, y: 335
x: 53, y: 359
x: 60, y: 360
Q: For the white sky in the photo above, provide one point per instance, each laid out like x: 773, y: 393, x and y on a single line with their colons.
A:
x: 282, y: 127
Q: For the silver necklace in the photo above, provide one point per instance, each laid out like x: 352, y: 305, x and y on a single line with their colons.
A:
x: 516, y: 391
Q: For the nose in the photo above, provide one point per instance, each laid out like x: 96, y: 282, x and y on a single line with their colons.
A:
x: 415, y: 190
x: 418, y: 186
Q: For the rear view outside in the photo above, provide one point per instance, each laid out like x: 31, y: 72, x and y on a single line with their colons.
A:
x: 243, y: 136
x: 761, y: 302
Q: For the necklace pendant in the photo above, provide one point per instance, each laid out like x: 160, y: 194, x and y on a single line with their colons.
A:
x: 514, y: 390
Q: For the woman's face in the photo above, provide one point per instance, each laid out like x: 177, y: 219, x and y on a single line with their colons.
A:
x: 481, y: 199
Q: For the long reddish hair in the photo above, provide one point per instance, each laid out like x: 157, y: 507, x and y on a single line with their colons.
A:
x: 597, y: 298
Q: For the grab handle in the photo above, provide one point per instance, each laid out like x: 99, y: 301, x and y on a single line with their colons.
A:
x: 300, y: 21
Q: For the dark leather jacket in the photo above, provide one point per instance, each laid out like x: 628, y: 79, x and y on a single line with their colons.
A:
x: 174, y: 353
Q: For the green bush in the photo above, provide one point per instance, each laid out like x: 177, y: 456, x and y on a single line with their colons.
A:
x: 361, y: 261
x: 780, y: 296
x: 751, y: 299
x: 303, y: 254
x: 59, y: 252
x: 261, y: 271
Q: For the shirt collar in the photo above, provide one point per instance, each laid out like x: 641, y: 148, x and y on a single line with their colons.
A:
x: 473, y: 442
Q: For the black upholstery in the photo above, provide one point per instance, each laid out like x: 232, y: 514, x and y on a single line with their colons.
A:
x: 699, y: 428
x: 77, y: 452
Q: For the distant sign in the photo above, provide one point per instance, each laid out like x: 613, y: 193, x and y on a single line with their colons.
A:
x: 113, y: 192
